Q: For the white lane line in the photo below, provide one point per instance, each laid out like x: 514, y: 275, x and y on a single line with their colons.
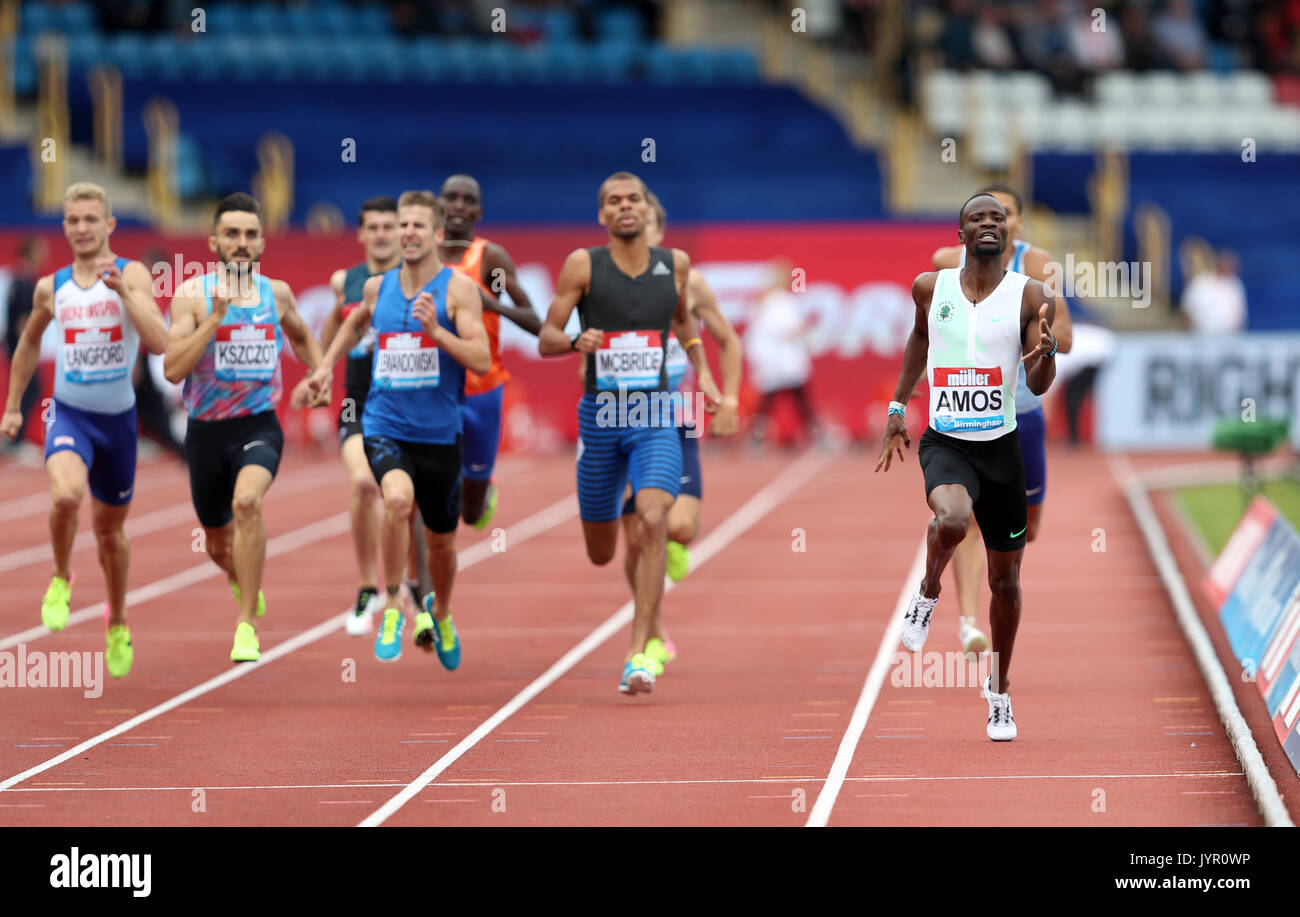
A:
x: 22, y: 507
x: 155, y: 521
x: 685, y: 781
x: 821, y: 810
x: 754, y: 509
x: 1259, y: 779
x: 476, y: 553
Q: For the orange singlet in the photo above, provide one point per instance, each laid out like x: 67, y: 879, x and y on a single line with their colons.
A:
x: 470, y: 266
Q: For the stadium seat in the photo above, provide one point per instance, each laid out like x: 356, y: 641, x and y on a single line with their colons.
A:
x: 1249, y: 88
x: 942, y: 102
x: 36, y: 18
x: 620, y: 24
x: 371, y: 20
x: 559, y: 25
x: 1118, y: 89
x: 1205, y: 90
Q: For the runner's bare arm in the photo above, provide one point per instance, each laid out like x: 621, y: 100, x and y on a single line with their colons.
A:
x: 1037, y: 309
x: 318, y: 383
x: 1040, y: 265
x: 27, y: 354
x: 305, y: 346
x: 134, y: 285
x: 335, y: 319
x: 574, y: 278
x: 914, y: 357
x: 731, y: 354
x: 189, y: 334
x: 687, y: 330
x: 469, y: 345
x: 500, y: 270
x: 948, y: 256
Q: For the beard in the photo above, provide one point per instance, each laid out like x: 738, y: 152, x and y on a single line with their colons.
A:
x: 626, y: 233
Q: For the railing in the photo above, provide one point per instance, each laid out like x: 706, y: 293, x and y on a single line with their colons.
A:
x: 52, y: 140
x: 162, y: 124
x: 106, y: 92
x: 273, y: 183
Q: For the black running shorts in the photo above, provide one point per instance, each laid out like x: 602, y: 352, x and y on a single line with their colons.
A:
x: 356, y: 385
x: 433, y: 469
x: 216, y: 451
x: 993, y: 473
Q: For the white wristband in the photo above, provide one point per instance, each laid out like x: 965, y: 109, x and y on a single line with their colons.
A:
x: 898, y: 407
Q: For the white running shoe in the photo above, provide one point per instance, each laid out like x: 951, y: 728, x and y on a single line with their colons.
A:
x: 916, y: 621
x: 972, y: 638
x: 1002, y: 725
x: 360, y: 623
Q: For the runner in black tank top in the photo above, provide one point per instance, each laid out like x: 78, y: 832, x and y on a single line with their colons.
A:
x: 628, y: 295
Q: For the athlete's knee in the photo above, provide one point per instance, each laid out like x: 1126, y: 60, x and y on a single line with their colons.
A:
x: 364, y: 489
x: 682, y: 531
x: 68, y: 498
x: 399, y: 503
x: 602, y: 552
x: 654, y: 521
x: 953, y: 523
x: 247, y: 506
x: 1005, y: 585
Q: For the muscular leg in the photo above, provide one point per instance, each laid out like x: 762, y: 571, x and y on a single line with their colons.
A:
x: 441, y: 559
x: 968, y: 572
x: 249, y: 544
x: 952, y: 517
x: 114, y: 554
x: 1004, y: 611
x: 684, y: 519
x: 652, y: 505
x: 631, y: 549
x: 220, y: 543
x: 601, y: 539
x: 399, y: 500
x: 363, y: 509
x: 1035, y: 516
x: 68, y: 483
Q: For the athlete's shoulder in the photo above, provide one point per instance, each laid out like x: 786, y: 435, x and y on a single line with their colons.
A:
x: 374, y: 282
x: 278, y: 287
x: 947, y: 256
x: 923, y: 286
x: 44, y: 288
x: 460, y: 285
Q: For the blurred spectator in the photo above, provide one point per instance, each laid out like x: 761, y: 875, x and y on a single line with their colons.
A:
x: 1076, y: 371
x: 32, y: 252
x: 1181, y: 36
x: 1045, y: 41
x: 776, y: 348
x: 1139, y: 45
x: 992, y: 41
x: 1214, y: 302
x: 957, y: 40
x: 1096, y: 48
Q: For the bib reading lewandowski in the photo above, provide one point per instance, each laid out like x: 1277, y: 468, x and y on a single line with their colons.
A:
x: 630, y: 360
x: 404, y: 360
x: 246, y: 353
x: 969, y: 398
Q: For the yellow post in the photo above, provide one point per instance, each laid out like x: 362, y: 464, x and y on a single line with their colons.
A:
x: 273, y: 183
x: 50, y: 145
x: 162, y: 124
x: 8, y: 32
x: 106, y: 92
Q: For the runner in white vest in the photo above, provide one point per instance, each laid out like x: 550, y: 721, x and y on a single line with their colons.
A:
x: 968, y: 567
x: 974, y: 326
x: 103, y: 308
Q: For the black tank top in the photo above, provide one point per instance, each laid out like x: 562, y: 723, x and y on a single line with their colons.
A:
x: 620, y: 305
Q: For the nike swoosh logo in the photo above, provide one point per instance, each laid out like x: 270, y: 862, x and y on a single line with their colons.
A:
x: 998, y: 319
x: 258, y: 442
x: 1019, y: 533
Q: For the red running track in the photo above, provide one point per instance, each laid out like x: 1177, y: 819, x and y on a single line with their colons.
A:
x: 775, y: 645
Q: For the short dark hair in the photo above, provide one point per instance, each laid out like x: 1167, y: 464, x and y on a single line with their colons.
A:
x: 1001, y: 187
x: 239, y: 202
x: 661, y: 215
x: 620, y: 176
x: 383, y: 204
x: 961, y: 214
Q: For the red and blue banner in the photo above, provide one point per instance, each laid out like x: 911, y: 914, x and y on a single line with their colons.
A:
x: 1255, y: 582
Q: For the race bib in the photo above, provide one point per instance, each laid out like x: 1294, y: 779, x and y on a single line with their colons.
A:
x: 246, y: 353
x: 94, y: 354
x: 405, y: 359
x: 630, y: 360
x: 969, y: 398
x: 678, y: 364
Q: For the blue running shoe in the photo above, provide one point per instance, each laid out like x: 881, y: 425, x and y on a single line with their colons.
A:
x: 388, y: 643
x: 638, y: 675
x: 447, y: 641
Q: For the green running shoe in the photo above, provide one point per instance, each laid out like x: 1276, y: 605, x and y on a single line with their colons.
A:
x: 261, y: 598
x: 246, y: 648
x: 54, y: 607
x: 679, y: 561
x: 118, y: 655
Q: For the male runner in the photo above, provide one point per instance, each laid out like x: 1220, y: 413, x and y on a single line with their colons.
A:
x: 227, y: 332
x: 490, y: 266
x: 684, y: 516
x: 628, y: 295
x: 377, y: 233
x: 412, y: 423
x: 104, y: 309
x: 968, y: 566
x: 972, y: 326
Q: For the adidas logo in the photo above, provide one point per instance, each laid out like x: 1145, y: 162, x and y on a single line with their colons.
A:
x: 660, y: 269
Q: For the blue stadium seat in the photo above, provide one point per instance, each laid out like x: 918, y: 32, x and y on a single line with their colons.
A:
x: 85, y: 50
x: 615, y: 61
x: 333, y: 20
x: 76, y: 18
x: 189, y: 167
x: 36, y: 17
x: 371, y: 20
x: 264, y: 19
x: 620, y: 24
x: 127, y: 51
x: 222, y: 19
x: 560, y: 26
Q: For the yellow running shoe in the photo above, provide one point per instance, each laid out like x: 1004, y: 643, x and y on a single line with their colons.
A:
x: 54, y: 607
x: 246, y: 648
x: 679, y: 561
x: 488, y: 511
x: 261, y: 598
x: 660, y: 653
x: 119, y: 654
